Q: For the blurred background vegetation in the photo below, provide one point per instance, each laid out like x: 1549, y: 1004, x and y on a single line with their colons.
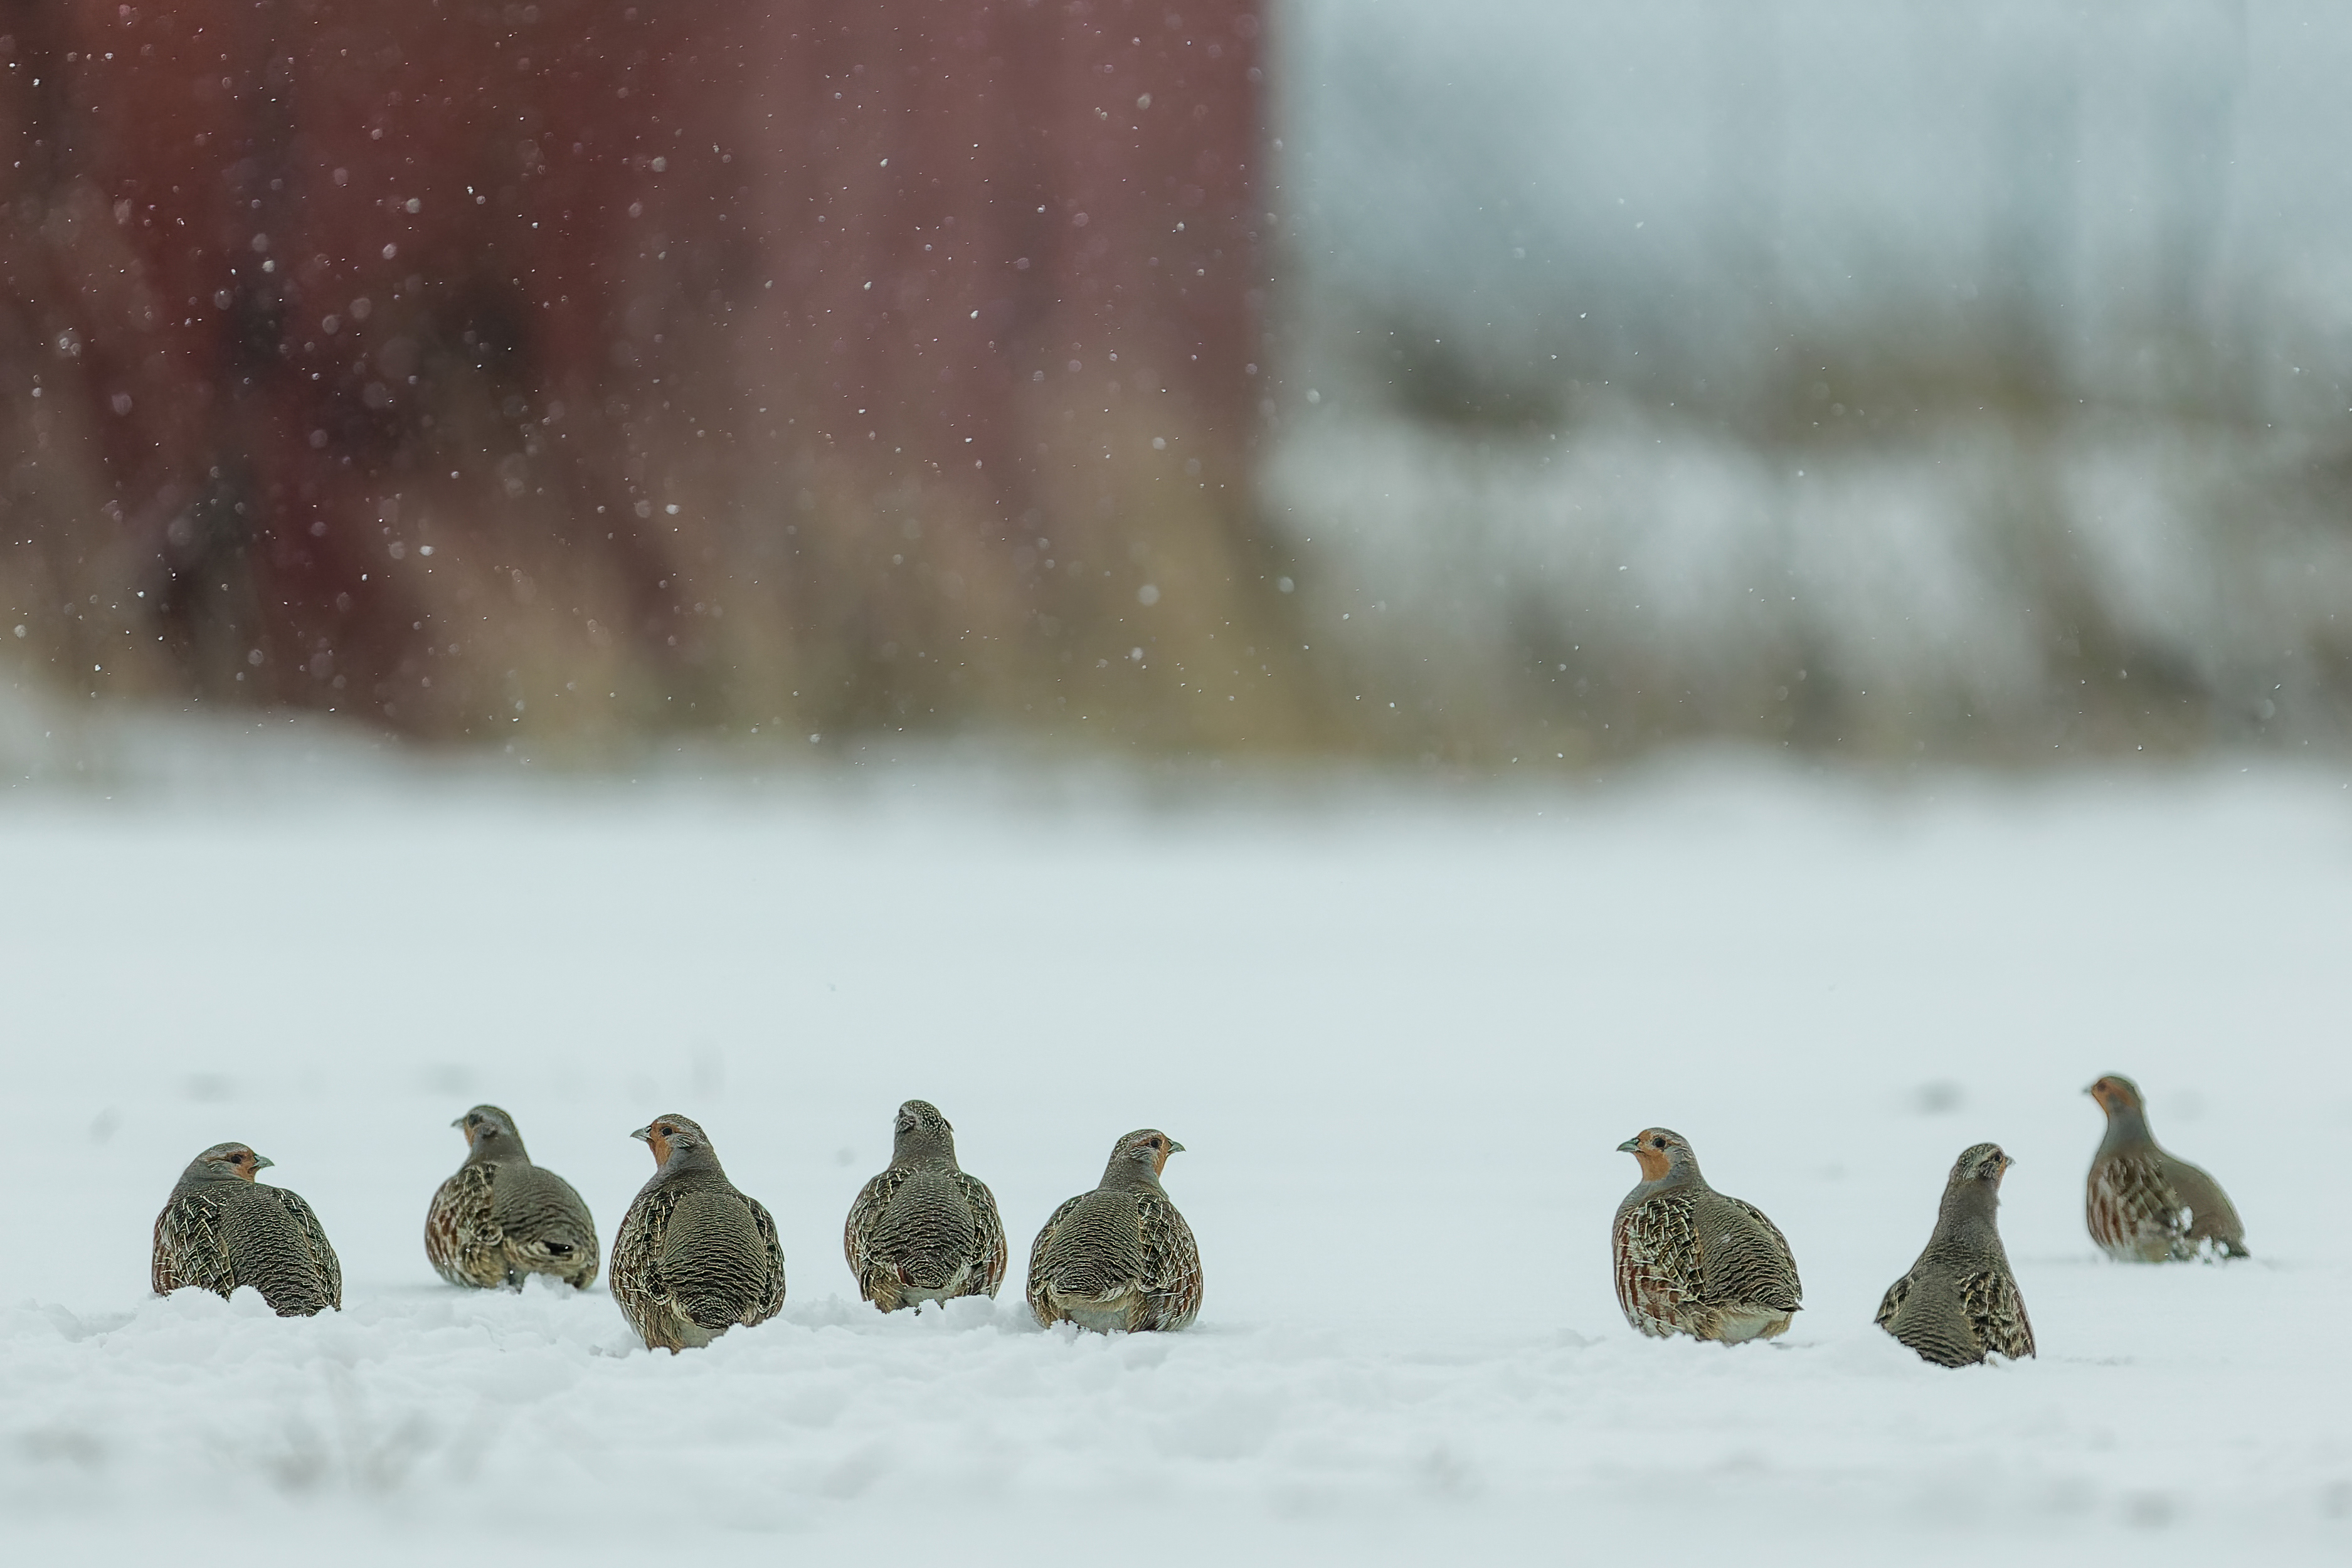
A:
x: 1964, y: 378
x: 1458, y: 382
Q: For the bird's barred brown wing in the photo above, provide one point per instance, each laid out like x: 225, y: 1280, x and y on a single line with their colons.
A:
x: 1938, y: 1332
x: 273, y: 1243
x: 1892, y: 1302
x: 189, y: 1250
x: 857, y: 1237
x: 927, y: 1235
x: 1095, y: 1258
x: 1744, y: 1259
x: 768, y: 1299
x: 1039, y: 1253
x: 544, y: 1226
x: 462, y: 1240
x: 2131, y: 1209
x: 988, y: 1273
x: 714, y: 1260
x: 1655, y: 1255
x: 328, y: 1290
x: 1923, y: 1311
x: 635, y: 1278
x: 1997, y: 1313
x: 2211, y: 1215
x: 1171, y: 1266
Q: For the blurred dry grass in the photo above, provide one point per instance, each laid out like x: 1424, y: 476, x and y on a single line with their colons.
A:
x: 1959, y: 380
x: 1893, y: 544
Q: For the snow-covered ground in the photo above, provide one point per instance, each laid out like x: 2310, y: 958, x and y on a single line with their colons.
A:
x: 1401, y: 1034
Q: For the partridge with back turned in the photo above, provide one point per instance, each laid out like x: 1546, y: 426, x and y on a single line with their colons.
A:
x: 1960, y: 1303
x: 220, y: 1230
x: 1121, y: 1256
x: 924, y: 1230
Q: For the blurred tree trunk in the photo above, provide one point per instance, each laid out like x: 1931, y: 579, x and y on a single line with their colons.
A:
x: 581, y: 367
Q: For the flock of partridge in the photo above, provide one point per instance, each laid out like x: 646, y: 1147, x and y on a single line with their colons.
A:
x: 1690, y: 1260
x: 696, y: 1256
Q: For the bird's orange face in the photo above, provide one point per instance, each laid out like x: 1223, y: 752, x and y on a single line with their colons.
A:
x: 1148, y: 1147
x: 244, y: 1161
x: 1652, y: 1148
x: 669, y: 1135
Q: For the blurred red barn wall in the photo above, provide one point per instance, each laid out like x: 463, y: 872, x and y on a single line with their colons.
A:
x: 570, y: 368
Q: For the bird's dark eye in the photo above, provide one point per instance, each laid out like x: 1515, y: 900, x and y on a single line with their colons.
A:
x: 1658, y: 1142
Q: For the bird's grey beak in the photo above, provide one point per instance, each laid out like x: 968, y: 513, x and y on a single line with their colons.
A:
x: 1174, y: 1147
x: 1631, y: 1146
x: 646, y: 1133
x: 262, y: 1161
x: 458, y: 1121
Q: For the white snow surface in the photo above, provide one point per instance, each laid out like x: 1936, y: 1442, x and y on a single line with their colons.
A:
x: 1400, y: 1034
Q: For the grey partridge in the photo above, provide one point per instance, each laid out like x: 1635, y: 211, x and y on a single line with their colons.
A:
x: 1121, y: 1256
x: 2145, y: 1206
x: 1690, y: 1260
x: 694, y: 1255
x: 1960, y: 1303
x: 924, y: 1230
x: 220, y: 1230
x: 500, y: 1219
